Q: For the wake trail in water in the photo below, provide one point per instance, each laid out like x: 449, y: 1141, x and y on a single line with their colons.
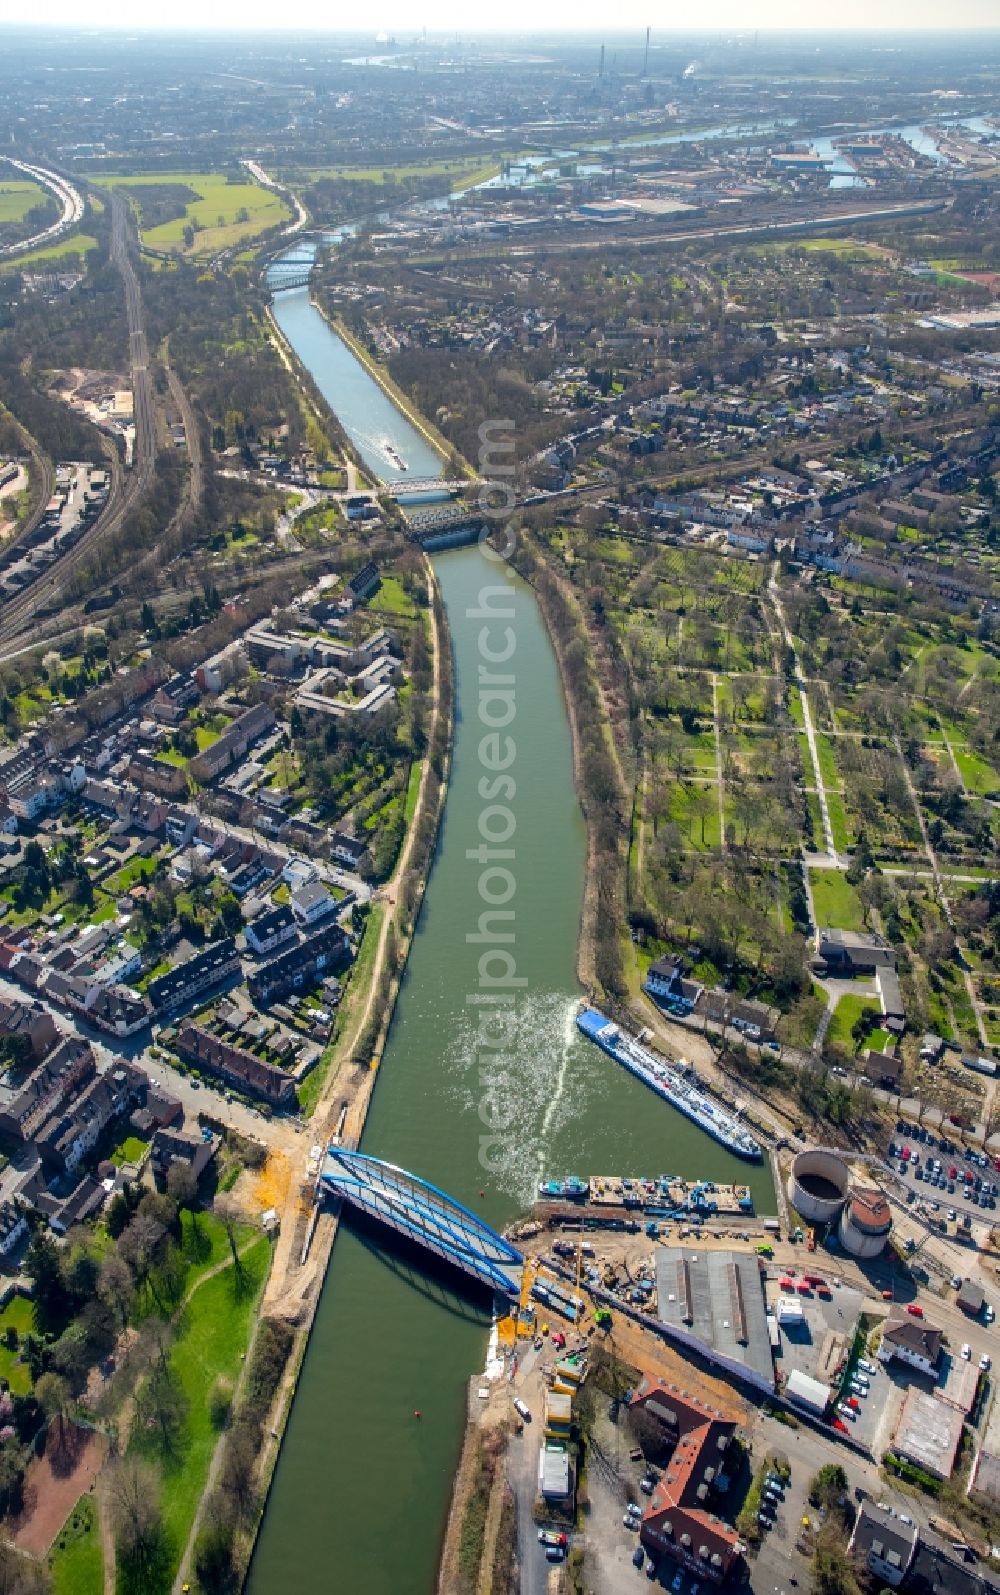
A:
x: 524, y: 1082
x: 569, y: 1034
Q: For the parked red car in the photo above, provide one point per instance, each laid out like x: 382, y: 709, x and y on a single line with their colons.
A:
x: 912, y: 1308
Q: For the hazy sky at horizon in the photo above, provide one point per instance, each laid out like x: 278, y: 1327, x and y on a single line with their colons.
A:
x: 406, y: 19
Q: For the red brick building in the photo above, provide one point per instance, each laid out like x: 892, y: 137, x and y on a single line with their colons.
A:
x: 679, y: 1522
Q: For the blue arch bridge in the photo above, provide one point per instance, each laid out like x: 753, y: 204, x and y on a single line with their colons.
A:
x: 423, y: 1214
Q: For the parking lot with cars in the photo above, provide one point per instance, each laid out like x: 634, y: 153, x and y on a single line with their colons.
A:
x: 782, y: 1561
x: 971, y: 1178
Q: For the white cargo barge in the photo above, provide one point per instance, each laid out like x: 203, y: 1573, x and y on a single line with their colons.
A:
x: 722, y: 1126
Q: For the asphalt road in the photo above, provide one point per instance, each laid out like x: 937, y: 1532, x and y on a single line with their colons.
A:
x: 69, y: 198
x: 279, y: 1133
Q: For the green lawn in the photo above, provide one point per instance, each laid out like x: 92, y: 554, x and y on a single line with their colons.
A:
x: 18, y: 197
x: 76, y: 1560
x: 392, y: 599
x: 129, y: 1151
x: 699, y: 746
x: 846, y: 1014
x: 827, y: 761
x: 137, y: 869
x: 73, y: 244
x: 309, y: 1091
x: 163, y: 967
x: 214, y: 212
x: 459, y: 173
x: 836, y: 902
x: 976, y: 773
x: 412, y: 791
x: 18, y: 1313
x: 361, y: 974
x: 843, y: 833
x: 700, y: 827
x: 213, y: 1336
x: 205, y: 1244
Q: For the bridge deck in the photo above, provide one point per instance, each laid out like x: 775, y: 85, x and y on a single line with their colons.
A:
x: 422, y: 1213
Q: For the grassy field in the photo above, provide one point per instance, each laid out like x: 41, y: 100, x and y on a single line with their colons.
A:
x: 843, y: 832
x: 18, y: 1314
x: 412, y: 791
x: 846, y: 1014
x: 129, y: 1151
x: 976, y: 773
x: 850, y: 248
x: 212, y: 1339
x: 76, y: 1562
x: 309, y: 1091
x: 835, y: 900
x: 827, y: 762
x: 213, y: 214
x: 74, y: 244
x: 392, y: 599
x: 137, y: 869
x: 460, y: 174
x: 17, y: 198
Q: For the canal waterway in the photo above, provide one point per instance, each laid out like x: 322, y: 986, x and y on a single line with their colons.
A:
x: 362, y: 1485
x: 367, y: 414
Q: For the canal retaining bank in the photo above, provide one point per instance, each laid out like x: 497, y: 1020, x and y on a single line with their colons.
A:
x: 449, y: 455
x: 322, y: 412
x: 551, y: 594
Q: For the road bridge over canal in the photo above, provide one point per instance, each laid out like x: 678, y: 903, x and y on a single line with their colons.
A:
x: 423, y: 1214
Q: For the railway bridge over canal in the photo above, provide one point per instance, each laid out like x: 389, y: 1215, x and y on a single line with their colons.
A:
x: 425, y: 1215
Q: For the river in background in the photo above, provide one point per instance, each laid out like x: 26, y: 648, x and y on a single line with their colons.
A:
x: 361, y: 1488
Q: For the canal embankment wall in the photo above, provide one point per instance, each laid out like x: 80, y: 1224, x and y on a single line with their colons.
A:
x: 448, y: 454
x: 604, y: 880
x: 321, y: 411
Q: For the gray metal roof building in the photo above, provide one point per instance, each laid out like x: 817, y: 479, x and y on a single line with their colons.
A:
x: 713, y: 1302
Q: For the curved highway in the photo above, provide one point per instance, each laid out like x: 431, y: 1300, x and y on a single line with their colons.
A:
x: 18, y: 615
x: 259, y: 175
x: 69, y: 198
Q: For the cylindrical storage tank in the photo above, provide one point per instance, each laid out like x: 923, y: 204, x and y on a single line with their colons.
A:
x: 865, y: 1223
x: 818, y: 1185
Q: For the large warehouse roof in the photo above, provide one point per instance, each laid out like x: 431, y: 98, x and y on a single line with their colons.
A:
x: 716, y: 1299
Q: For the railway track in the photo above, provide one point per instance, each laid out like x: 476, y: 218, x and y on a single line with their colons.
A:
x: 19, y: 614
x: 46, y: 486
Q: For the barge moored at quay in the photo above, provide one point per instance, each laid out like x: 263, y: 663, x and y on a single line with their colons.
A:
x: 665, y: 1196
x: 670, y: 1083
